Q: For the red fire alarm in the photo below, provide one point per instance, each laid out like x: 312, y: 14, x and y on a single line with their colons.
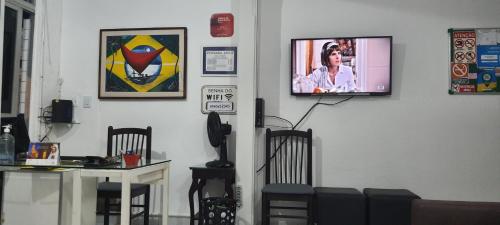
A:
x: 222, y: 25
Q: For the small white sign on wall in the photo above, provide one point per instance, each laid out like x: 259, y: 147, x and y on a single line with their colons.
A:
x: 218, y: 98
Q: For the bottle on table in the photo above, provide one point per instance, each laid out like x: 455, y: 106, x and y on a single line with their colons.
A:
x: 7, y: 145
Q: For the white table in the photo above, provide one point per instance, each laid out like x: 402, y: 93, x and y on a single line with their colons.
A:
x: 79, y: 196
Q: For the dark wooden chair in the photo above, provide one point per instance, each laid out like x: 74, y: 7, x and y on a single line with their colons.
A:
x: 138, y: 140
x: 288, y: 173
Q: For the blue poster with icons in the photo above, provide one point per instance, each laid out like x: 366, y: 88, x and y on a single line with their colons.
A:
x: 488, y: 55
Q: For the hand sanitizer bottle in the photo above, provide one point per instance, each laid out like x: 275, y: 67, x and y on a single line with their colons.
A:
x: 7, y: 146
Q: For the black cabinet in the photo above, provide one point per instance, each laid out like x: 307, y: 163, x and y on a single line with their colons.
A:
x: 200, y: 175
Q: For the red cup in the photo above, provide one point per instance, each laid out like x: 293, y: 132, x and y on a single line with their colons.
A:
x: 131, y: 159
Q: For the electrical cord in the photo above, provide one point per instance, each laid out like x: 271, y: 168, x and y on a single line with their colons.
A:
x: 46, y: 134
x: 281, y: 118
x: 46, y: 120
x: 301, y: 119
x: 274, y: 126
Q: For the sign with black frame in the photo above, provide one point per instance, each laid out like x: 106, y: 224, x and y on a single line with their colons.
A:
x: 220, y: 61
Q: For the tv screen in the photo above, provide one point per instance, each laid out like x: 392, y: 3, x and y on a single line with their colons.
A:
x: 341, y: 66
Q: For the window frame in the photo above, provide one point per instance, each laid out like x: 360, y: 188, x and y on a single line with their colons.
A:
x: 20, y: 6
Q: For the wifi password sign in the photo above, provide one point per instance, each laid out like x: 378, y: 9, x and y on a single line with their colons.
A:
x: 219, y: 98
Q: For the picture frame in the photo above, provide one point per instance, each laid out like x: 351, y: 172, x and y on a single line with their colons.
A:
x: 474, y: 61
x: 220, y: 61
x: 142, y: 63
x: 46, y: 153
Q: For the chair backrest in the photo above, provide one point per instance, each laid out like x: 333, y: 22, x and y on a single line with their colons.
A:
x: 289, y: 156
x: 136, y: 139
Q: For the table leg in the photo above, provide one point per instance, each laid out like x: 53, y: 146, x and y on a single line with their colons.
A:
x: 76, y: 218
x: 125, y: 200
x: 192, y: 189
x: 165, y: 195
x: 201, y: 184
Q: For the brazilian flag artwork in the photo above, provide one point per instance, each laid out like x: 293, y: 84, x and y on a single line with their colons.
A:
x: 143, y: 63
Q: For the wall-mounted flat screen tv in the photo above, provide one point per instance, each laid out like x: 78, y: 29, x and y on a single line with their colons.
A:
x: 341, y: 66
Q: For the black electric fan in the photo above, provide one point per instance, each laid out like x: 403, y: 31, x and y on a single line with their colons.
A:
x: 217, y: 135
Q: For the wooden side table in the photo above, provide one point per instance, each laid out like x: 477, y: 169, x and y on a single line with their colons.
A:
x: 200, y: 175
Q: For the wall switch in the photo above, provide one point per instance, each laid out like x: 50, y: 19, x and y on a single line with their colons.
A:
x: 87, y: 101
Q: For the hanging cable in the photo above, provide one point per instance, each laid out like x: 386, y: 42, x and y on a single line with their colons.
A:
x: 280, y: 118
x: 274, y: 126
x: 47, y: 134
x: 301, y: 119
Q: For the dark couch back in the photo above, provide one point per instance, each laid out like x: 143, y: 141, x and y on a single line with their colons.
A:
x: 435, y: 212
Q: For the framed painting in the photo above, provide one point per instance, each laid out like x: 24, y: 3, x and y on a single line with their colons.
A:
x: 143, y: 63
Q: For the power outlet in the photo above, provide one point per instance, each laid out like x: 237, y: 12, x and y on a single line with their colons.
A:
x: 237, y: 195
x: 87, y: 101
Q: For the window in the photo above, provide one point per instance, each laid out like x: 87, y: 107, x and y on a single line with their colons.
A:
x: 17, y: 54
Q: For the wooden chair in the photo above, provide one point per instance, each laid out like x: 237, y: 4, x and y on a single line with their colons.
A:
x: 288, y: 173
x: 138, y: 140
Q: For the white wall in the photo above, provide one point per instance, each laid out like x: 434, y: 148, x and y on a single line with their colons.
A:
x: 246, y: 115
x: 268, y: 81
x: 46, y: 69
x: 437, y: 145
x: 179, y: 128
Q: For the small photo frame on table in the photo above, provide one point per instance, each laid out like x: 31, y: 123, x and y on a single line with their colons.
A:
x: 220, y: 61
x: 47, y: 153
x: 143, y: 63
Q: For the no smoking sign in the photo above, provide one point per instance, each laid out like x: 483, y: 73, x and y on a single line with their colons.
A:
x: 464, y: 47
x: 459, y: 70
x: 469, y: 43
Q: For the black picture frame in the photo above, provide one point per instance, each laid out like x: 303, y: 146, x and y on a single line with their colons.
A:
x: 213, y: 61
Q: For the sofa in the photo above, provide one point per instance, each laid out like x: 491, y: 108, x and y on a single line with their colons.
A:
x: 439, y: 212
